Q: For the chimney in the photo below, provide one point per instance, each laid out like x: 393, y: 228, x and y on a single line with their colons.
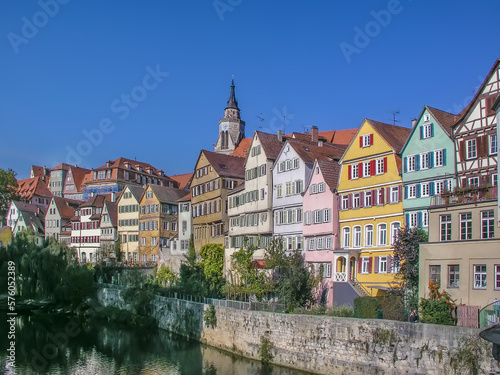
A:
x: 413, y: 122
x: 314, y: 134
x: 280, y: 136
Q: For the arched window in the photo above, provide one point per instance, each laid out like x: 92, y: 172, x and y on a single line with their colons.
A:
x: 382, y: 234
x: 356, y: 236
x: 369, y: 235
x: 346, y: 237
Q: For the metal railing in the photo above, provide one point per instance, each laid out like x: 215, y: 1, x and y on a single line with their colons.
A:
x: 489, y: 315
x: 465, y: 195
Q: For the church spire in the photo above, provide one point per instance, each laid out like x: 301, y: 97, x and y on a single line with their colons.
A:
x: 232, y: 103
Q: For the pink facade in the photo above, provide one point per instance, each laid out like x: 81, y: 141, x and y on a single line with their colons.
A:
x: 321, y: 225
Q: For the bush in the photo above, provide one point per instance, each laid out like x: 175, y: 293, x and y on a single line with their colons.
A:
x: 366, y: 307
x: 210, y: 317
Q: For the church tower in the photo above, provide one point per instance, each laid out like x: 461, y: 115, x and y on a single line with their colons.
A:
x: 231, y: 127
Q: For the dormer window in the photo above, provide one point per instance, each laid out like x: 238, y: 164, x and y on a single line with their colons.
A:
x: 107, y: 164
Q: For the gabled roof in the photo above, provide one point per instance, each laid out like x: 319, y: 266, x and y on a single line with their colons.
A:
x: 62, y: 166
x: 37, y: 171
x: 30, y: 187
x: 33, y: 221
x: 186, y: 198
x: 444, y: 119
x: 465, y: 112
x: 447, y: 120
x: 339, y: 137
x: 226, y: 165
x: 243, y: 147
x: 309, y: 151
x: 271, y: 144
x: 167, y: 194
x: 79, y: 177
x: 96, y: 201
x: 394, y: 135
x: 136, y: 190
x: 66, y: 206
x: 21, y: 206
x: 184, y: 180
x: 330, y: 171
x: 112, y: 209
x: 237, y: 189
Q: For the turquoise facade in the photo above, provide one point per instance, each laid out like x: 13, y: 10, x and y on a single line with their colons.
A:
x: 429, y: 166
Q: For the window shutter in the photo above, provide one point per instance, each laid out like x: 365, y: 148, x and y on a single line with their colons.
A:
x: 431, y: 159
x: 385, y: 164
x: 374, y: 197
x: 372, y: 167
x: 382, y: 195
x: 419, y: 218
x: 480, y: 146
x: 359, y: 264
x: 371, y: 139
x: 464, y: 182
x: 400, y: 193
x: 417, y: 162
x: 405, y: 162
x: 489, y: 104
x: 360, y: 170
x: 421, y: 132
x: 376, y: 264
x: 461, y: 149
x: 361, y: 199
x: 406, y: 192
x: 349, y: 172
x: 432, y: 130
x: 431, y: 188
x: 388, y: 195
x: 418, y: 189
x: 390, y: 262
x: 407, y: 219
x: 370, y: 261
x: 361, y: 141
x: 349, y: 201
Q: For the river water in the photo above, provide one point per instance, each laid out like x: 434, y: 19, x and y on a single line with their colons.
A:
x: 55, y: 344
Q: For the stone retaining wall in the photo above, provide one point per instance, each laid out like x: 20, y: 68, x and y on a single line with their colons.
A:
x: 322, y: 344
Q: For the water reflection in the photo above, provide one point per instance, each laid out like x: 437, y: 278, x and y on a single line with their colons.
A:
x: 55, y: 344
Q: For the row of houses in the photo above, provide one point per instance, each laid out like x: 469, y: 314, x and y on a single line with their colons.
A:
x: 339, y: 197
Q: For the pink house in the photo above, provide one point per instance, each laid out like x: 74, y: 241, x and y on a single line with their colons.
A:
x: 321, y: 224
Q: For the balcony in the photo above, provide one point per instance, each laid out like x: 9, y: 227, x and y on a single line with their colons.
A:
x: 468, y: 194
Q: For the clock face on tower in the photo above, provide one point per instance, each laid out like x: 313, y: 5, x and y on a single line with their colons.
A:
x: 224, y: 126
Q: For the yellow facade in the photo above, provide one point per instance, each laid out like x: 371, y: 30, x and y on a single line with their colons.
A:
x: 370, y: 210
x: 128, y: 225
x: 5, y: 236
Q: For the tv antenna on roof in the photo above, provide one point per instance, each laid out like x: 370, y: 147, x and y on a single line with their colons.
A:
x: 261, y: 119
x: 394, y: 113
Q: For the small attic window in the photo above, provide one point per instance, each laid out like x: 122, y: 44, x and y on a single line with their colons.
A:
x: 306, y: 148
x: 223, y: 166
x: 427, y: 117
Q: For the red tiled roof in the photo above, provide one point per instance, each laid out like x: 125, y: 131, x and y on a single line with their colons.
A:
x: 184, y: 180
x: 343, y: 136
x: 394, y: 135
x: 330, y: 171
x: 271, y: 145
x: 79, y: 177
x: 186, y: 198
x: 66, y: 206
x: 30, y: 187
x: 242, y: 149
x: 447, y: 120
x: 226, y: 165
x: 121, y: 164
x: 38, y: 171
x: 309, y: 151
x: 62, y: 166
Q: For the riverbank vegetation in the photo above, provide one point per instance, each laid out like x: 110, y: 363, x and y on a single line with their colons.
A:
x: 48, y: 272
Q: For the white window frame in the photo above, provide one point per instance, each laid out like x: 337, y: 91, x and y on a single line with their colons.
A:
x: 346, y: 237
x: 424, y: 160
x: 411, y: 163
x: 365, y: 263
x: 382, y: 264
x: 394, y: 194
x: 493, y: 144
x: 354, y: 171
x: 471, y: 149
x: 365, y: 140
x: 394, y: 231
x: 424, y: 189
x: 368, y: 199
x: 439, y: 158
x: 356, y: 200
x: 379, y: 166
x: 412, y: 191
x: 427, y: 131
x: 345, y: 202
x: 369, y: 235
x: 366, y: 169
x: 480, y: 276
x: 356, y: 236
x: 382, y: 234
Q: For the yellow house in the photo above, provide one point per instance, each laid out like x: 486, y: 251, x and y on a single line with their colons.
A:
x: 214, y: 177
x: 370, y: 209
x: 158, y: 216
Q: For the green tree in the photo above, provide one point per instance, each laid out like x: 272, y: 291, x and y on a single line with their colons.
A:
x: 166, y: 276
x: 292, y: 281
x: 212, y: 263
x: 439, y: 308
x: 192, y: 278
x: 406, y: 250
x: 8, y: 188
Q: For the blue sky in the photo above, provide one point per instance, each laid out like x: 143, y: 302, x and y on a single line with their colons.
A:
x: 68, y: 67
